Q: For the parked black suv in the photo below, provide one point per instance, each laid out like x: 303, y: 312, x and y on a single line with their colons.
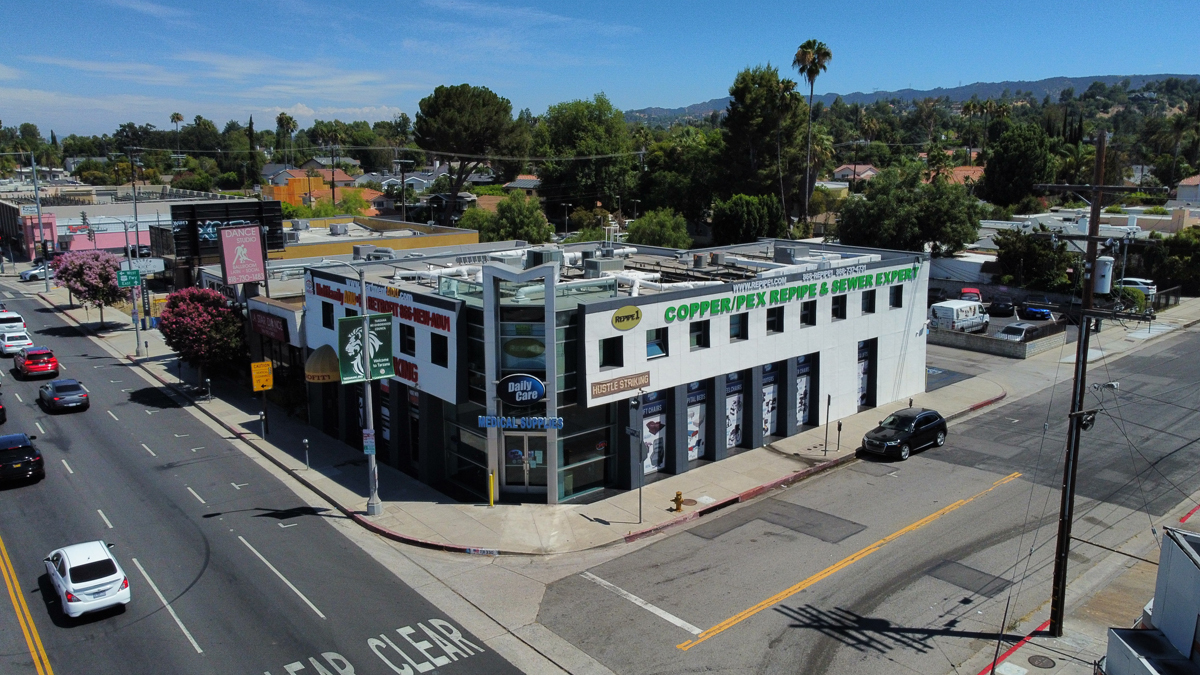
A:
x: 906, y: 430
x: 19, y: 460
x: 1002, y: 305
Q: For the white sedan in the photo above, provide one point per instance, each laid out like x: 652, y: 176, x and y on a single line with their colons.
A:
x: 11, y: 343
x: 37, y: 273
x: 87, y: 578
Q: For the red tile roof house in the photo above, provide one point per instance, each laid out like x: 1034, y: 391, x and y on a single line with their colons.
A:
x: 846, y: 171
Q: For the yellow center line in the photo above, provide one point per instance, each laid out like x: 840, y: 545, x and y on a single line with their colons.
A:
x: 837, y: 567
x: 34, y: 641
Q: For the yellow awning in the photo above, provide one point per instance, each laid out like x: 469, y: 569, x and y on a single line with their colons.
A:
x: 322, y: 366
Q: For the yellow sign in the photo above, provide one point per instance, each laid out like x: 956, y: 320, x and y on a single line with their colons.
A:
x: 264, y: 378
x: 626, y: 317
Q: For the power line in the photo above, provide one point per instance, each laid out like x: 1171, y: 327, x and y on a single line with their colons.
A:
x: 438, y: 153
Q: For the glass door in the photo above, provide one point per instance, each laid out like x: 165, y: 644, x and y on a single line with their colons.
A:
x: 525, y: 462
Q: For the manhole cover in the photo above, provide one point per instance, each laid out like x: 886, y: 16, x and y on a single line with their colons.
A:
x: 689, y: 502
x: 1039, y: 661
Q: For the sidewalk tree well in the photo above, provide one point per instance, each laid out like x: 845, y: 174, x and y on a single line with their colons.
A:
x: 91, y: 277
x: 199, y: 325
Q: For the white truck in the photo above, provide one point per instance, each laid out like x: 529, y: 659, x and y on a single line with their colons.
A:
x: 964, y: 315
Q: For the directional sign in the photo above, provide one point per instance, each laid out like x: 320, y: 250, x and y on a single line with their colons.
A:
x: 368, y: 441
x: 377, y: 344
x: 263, y: 376
x: 129, y: 278
x: 29, y: 209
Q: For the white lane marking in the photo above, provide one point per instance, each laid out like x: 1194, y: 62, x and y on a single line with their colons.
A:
x: 151, y: 412
x: 149, y: 450
x: 660, y: 613
x: 19, y: 399
x: 287, y: 526
x: 115, y: 381
x: 10, y: 295
x: 104, y: 518
x: 284, y: 579
x: 85, y: 388
x: 62, y: 366
x: 110, y: 414
x: 39, y: 426
x: 181, y: 435
x: 170, y: 609
x: 69, y: 469
x: 197, y: 496
x: 238, y: 487
x: 199, y: 448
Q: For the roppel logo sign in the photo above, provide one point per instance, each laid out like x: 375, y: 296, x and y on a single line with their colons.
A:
x: 626, y: 318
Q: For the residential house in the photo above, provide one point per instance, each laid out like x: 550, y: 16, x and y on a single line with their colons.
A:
x: 438, y: 203
x: 963, y: 175
x: 839, y: 190
x: 327, y: 162
x: 270, y: 171
x: 857, y: 172
x: 71, y: 163
x: 1189, y: 190
x: 529, y: 184
x: 294, y: 185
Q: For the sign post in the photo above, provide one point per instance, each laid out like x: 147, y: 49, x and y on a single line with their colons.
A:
x: 263, y: 376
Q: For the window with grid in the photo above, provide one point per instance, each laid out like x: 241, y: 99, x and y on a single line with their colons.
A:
x: 775, y: 320
x: 808, y: 313
x: 739, y: 328
x: 698, y: 334
x: 656, y: 343
x: 868, y: 302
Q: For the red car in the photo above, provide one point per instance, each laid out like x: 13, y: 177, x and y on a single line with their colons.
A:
x: 35, y: 361
x: 971, y: 294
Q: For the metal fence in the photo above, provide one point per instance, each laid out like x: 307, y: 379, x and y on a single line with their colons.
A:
x: 1168, y: 298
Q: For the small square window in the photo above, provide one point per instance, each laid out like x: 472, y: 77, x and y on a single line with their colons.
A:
x: 327, y: 315
x: 896, y: 296
x: 408, y: 340
x: 808, y: 313
x: 350, y: 311
x: 439, y: 350
x: 739, y: 328
x: 839, y: 306
x: 656, y: 343
x: 775, y: 320
x: 868, y: 302
x: 698, y: 334
x: 612, y: 352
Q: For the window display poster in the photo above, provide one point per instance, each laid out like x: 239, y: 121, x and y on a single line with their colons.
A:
x: 803, y: 370
x: 864, y: 366
x: 695, y: 426
x: 733, y: 420
x: 770, y: 408
x: 654, y: 431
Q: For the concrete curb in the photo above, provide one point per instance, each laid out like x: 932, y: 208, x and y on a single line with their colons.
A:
x: 977, y: 406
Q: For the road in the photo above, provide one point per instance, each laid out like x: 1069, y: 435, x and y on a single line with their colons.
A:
x: 885, y: 566
x: 252, y: 580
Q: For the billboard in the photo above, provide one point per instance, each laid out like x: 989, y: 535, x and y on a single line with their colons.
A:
x: 242, y: 255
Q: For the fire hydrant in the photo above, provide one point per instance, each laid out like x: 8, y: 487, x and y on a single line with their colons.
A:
x: 678, y: 501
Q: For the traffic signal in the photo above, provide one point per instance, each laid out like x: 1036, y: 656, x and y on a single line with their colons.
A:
x: 91, y: 234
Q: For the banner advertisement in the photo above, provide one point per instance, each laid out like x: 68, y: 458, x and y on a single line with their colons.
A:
x: 733, y: 410
x: 864, y: 370
x: 378, y: 344
x: 242, y: 255
x: 654, y: 431
x: 770, y: 403
x: 803, y: 390
x: 697, y: 404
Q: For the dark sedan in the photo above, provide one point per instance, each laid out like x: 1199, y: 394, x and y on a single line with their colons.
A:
x: 63, y: 395
x: 1002, y: 305
x: 905, y: 431
x: 19, y: 460
x: 1036, y: 308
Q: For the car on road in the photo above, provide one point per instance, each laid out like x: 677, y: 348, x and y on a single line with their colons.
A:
x: 64, y: 395
x: 970, y: 294
x: 35, y: 361
x: 11, y: 343
x: 1002, y: 305
x: 904, y: 431
x: 1018, y: 332
x: 11, y: 322
x: 1146, y: 286
x: 961, y: 315
x: 87, y: 578
x: 37, y: 273
x: 19, y: 459
x: 1035, y: 308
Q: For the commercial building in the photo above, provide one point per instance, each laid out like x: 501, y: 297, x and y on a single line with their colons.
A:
x: 522, y: 362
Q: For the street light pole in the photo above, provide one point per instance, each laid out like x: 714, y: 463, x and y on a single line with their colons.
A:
x: 135, y: 292
x: 566, y: 218
x: 37, y: 199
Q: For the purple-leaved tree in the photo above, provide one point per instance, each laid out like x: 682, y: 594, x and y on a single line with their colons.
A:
x: 199, y: 325
x: 91, y: 276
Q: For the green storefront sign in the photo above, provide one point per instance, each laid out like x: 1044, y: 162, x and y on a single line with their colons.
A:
x: 738, y: 302
x: 378, y: 345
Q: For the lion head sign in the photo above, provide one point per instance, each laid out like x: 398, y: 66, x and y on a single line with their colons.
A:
x: 242, y: 255
x: 377, y: 342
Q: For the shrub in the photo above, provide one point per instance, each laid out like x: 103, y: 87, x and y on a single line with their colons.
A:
x: 1115, y: 208
x: 1157, y: 211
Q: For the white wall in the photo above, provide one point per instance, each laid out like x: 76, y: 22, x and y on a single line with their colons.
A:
x: 901, y: 351
x: 1177, y: 593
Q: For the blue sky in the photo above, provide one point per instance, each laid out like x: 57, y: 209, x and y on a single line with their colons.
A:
x: 86, y: 66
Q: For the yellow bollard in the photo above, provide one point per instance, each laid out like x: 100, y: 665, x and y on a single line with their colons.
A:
x: 491, y: 489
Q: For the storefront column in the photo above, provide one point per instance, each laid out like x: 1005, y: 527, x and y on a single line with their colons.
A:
x: 677, y: 431
x: 787, y: 398
x: 752, y: 425
x: 629, y: 450
x: 716, y: 420
x: 433, y: 444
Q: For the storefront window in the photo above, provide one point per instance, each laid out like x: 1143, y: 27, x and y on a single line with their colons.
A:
x: 466, y: 463
x: 585, y: 461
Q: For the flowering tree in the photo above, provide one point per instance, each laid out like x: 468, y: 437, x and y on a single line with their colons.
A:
x: 199, y: 325
x: 91, y: 276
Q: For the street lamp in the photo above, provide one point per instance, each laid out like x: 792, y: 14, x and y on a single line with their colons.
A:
x: 403, y: 190
x: 635, y: 205
x: 374, y: 507
x: 566, y: 218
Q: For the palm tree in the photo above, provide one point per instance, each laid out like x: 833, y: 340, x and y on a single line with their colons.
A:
x: 287, y: 125
x: 176, y: 118
x: 812, y: 59
x: 787, y: 90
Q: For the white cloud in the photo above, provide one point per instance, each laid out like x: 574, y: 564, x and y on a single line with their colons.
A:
x: 257, y: 77
x: 527, y: 16
x: 142, y: 73
x: 9, y: 73
x: 150, y: 9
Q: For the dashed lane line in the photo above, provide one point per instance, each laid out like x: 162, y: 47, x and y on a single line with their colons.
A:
x: 197, y: 496
x: 39, y: 426
x: 19, y: 399
x: 110, y: 414
x: 69, y: 469
x: 149, y: 450
x: 104, y: 518
x: 281, y: 577
x: 170, y: 609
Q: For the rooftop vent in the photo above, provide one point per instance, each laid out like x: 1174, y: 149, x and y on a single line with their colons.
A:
x: 338, y: 229
x: 363, y: 251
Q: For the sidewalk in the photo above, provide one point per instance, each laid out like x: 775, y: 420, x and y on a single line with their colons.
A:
x: 417, y: 514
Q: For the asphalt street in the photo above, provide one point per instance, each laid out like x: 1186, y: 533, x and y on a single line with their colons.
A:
x: 252, y: 580
x: 886, y: 566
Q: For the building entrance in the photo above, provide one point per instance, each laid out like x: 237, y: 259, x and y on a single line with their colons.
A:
x: 525, y: 463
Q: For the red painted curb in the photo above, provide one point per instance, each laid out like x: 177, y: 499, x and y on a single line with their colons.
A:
x: 991, y: 668
x: 977, y: 406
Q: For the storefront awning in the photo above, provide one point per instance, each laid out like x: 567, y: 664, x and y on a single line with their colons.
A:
x: 322, y: 366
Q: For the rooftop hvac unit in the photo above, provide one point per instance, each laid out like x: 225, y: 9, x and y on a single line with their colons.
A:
x: 698, y: 261
x: 790, y: 254
x: 382, y: 253
x: 300, y: 225
x: 541, y: 256
x: 338, y: 229
x: 718, y: 259
x: 292, y: 237
x: 593, y: 267
x: 361, y: 251
x: 587, y: 254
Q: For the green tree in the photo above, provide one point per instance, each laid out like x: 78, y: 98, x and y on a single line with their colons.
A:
x: 517, y: 217
x: 683, y: 172
x: 582, y: 219
x: 763, y: 125
x: 660, y: 227
x: 478, y: 219
x: 743, y: 218
x: 467, y: 120
x: 1031, y: 261
x: 352, y: 203
x: 812, y: 59
x: 900, y: 211
x: 594, y: 142
x: 586, y: 234
x: 1019, y: 160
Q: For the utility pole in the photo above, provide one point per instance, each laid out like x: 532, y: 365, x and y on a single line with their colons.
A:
x: 1079, y: 420
x: 136, y: 293
x: 37, y: 199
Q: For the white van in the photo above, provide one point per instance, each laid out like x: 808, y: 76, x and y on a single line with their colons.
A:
x: 11, y: 322
x: 965, y: 315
